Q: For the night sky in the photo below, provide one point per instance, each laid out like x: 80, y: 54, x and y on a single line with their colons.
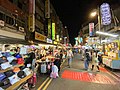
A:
x: 74, y: 13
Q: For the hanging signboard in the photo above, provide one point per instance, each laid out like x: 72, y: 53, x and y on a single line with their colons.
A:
x: 40, y: 37
x: 91, y: 29
x: 105, y: 14
x: 47, y: 9
x: 31, y: 23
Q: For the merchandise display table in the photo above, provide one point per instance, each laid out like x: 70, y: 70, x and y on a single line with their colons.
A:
x: 1, y: 71
x: 17, y: 84
x: 46, y: 59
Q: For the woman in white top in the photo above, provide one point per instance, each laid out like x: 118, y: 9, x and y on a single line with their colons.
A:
x: 70, y: 56
x: 95, y: 61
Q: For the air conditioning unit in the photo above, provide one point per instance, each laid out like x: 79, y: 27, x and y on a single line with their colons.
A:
x: 2, y: 23
x: 21, y: 29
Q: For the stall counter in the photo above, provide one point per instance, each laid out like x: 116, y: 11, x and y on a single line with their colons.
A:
x: 111, y: 62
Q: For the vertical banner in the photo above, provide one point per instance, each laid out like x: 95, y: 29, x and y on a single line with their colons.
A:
x: 31, y: 17
x: 91, y: 29
x: 31, y: 6
x: 31, y: 23
x: 105, y: 14
x: 53, y: 31
x: 49, y: 28
x: 47, y: 8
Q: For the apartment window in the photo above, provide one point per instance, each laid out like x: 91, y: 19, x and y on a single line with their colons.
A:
x: 19, y: 5
x: 39, y: 30
x: 9, y: 20
x: 11, y: 1
x: 2, y: 17
x: 38, y: 17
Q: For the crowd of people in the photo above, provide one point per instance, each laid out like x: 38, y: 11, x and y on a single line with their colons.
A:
x: 92, y: 56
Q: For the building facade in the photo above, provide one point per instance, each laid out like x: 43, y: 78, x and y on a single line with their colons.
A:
x: 13, y: 20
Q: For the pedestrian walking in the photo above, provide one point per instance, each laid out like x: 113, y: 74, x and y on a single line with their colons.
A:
x: 57, y: 61
x: 86, y: 59
x: 70, y: 56
x: 100, y: 53
x: 95, y: 61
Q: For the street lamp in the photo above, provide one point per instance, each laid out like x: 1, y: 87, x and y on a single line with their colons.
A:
x: 93, y: 14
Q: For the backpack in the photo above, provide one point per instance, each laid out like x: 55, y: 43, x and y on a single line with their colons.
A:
x: 87, y: 56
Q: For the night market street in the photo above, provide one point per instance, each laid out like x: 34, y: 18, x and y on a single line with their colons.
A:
x: 76, y: 78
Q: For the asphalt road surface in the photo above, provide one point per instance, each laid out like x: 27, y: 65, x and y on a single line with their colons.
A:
x: 77, y: 78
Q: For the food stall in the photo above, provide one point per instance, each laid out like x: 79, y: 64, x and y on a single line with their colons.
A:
x: 112, y: 55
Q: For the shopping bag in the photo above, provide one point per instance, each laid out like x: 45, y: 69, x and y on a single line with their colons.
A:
x: 43, y: 68
x: 53, y: 75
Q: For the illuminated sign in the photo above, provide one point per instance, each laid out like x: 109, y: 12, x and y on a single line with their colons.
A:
x: 91, y: 29
x: 105, y: 14
x: 55, y: 42
x: 49, y: 28
x: 49, y: 40
x: 40, y: 37
x: 58, y: 39
x: 53, y: 31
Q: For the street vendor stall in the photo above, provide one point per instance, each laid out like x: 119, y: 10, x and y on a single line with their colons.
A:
x: 45, y: 64
x: 112, y: 55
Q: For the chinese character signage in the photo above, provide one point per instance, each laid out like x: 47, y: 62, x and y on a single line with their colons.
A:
x: 105, y: 14
x: 53, y: 31
x: 31, y: 23
x: 40, y: 37
x: 91, y: 29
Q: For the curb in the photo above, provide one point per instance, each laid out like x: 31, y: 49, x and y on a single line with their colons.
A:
x: 112, y: 73
x: 118, y: 76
